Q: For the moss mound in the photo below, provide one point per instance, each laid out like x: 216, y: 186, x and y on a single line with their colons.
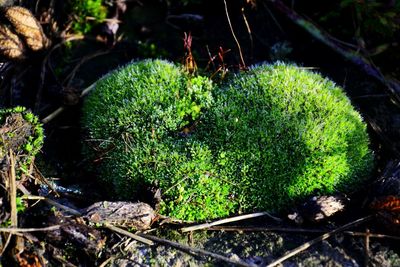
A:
x: 21, y: 132
x: 267, y: 138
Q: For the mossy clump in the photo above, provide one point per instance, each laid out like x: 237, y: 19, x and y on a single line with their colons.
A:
x: 267, y: 138
x: 21, y: 132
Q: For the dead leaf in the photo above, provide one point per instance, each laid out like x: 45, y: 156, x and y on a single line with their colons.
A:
x: 27, y: 26
x: 11, y: 46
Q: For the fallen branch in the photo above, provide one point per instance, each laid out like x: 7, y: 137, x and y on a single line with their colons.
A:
x: 303, y: 247
x: 191, y: 250
x: 228, y: 220
x: 351, y: 55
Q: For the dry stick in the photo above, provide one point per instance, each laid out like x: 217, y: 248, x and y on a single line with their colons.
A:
x: 316, y: 240
x: 327, y: 39
x: 228, y: 220
x: 234, y: 36
x: 27, y: 230
x: 366, y: 263
x: 191, y: 250
x: 129, y: 234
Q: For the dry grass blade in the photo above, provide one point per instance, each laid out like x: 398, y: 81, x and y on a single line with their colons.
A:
x: 228, y: 220
x: 27, y: 230
x: 242, y: 63
x: 303, y: 247
x: 191, y: 250
x: 13, y: 190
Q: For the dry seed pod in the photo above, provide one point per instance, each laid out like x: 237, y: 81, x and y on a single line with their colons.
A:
x: 26, y: 25
x: 11, y: 46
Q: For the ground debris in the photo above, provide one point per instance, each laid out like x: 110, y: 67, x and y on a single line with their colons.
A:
x: 318, y: 208
x: 76, y: 232
x: 386, y: 198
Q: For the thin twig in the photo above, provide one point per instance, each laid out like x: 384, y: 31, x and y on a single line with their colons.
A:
x: 129, y: 234
x: 27, y: 230
x: 43, y: 69
x: 191, y: 250
x: 234, y: 36
x: 303, y: 247
x: 228, y: 220
x: 68, y: 80
x: 5, y: 245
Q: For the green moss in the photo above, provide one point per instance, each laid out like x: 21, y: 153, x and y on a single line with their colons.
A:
x: 286, y: 133
x: 267, y: 138
x: 21, y: 132
x: 87, y: 13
